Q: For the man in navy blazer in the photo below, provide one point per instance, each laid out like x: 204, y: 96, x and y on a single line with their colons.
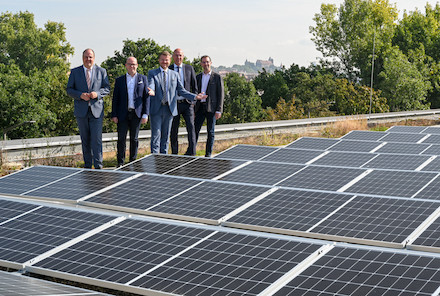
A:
x: 130, y: 108
x: 88, y: 85
x: 184, y: 106
x: 163, y: 104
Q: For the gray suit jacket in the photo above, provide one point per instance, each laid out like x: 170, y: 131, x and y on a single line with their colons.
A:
x: 77, y: 85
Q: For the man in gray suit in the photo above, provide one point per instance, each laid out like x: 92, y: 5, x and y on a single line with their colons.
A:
x: 211, y: 84
x: 166, y: 86
x: 88, y: 85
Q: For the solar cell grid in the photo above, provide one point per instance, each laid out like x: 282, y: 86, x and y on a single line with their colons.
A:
x: 313, y: 143
x: 364, y: 135
x: 403, y: 148
x: 143, y: 192
x: 210, y: 200
x: 345, y: 159
x: 407, y: 129
x: 265, y: 173
x: 124, y: 251
x: 432, y: 150
x: 344, y: 271
x: 432, y: 139
x: 430, y: 237
x: 228, y: 264
x: 290, y: 209
x: 32, y: 178
x: 206, y: 168
x: 157, y: 163
x: 79, y: 185
x: 397, y: 161
x: 391, y: 183
x: 379, y: 219
x: 322, y: 178
x: 434, y: 130
x: 433, y: 166
x: 10, y: 209
x: 431, y: 189
x: 355, y: 146
x: 39, y: 231
x: 403, y: 137
x: 246, y: 152
x: 298, y: 156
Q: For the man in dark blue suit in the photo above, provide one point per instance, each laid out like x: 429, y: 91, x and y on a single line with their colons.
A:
x: 88, y: 85
x: 184, y: 107
x: 163, y: 105
x: 130, y: 108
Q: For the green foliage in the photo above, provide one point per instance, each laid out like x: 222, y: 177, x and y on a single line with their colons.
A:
x: 272, y: 87
x: 242, y: 104
x: 283, y: 111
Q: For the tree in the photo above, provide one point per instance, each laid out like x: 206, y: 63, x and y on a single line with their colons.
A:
x: 242, y: 103
x: 271, y: 88
x: 284, y: 111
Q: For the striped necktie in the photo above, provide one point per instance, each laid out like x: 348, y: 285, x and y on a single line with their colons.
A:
x: 164, y: 90
x: 89, y: 83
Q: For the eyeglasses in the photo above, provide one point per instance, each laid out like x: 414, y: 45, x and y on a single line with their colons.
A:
x: 132, y: 65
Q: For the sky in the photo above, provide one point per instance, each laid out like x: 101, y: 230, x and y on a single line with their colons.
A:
x: 230, y: 31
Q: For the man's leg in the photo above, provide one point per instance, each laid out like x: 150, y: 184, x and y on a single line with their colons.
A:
x: 188, y: 115
x: 167, y: 120
x: 174, y: 133
x: 96, y: 139
x: 210, y: 126
x: 155, y: 126
x: 122, y: 137
x: 134, y: 124
x: 84, y: 132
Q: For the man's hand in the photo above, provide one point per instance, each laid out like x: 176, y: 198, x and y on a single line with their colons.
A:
x: 150, y: 92
x: 115, y: 119
x: 144, y: 120
x: 201, y: 96
x: 85, y: 96
x: 217, y: 115
x: 93, y: 95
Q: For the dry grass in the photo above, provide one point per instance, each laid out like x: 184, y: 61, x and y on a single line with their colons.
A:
x: 341, y: 127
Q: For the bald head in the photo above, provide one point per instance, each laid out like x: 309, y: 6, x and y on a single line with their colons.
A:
x: 178, y: 56
x: 131, y: 65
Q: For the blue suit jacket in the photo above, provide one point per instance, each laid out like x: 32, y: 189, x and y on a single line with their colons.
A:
x: 76, y: 85
x: 175, y: 88
x: 120, y: 97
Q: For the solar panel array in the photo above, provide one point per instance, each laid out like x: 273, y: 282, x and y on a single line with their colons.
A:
x: 307, y: 219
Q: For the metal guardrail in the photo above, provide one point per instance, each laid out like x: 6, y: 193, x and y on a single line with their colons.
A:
x: 29, y: 149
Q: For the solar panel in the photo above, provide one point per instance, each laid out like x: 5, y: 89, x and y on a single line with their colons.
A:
x: 432, y: 150
x: 157, y: 163
x: 407, y: 129
x: 429, y: 239
x: 403, y: 137
x: 143, y: 192
x: 433, y: 166
x: 39, y: 231
x: 396, y: 161
x: 355, y: 146
x: 13, y: 284
x: 210, y: 201
x: 246, y: 152
x: 434, y: 130
x: 288, y: 209
x: 265, y: 173
x: 228, y: 264
x: 430, y: 189
x: 313, y: 143
x: 346, y: 159
x: 124, y: 251
x: 31, y: 178
x: 79, y: 185
x: 432, y: 139
x: 206, y: 168
x: 387, y: 220
x: 322, y: 178
x: 391, y: 183
x: 292, y: 156
x: 403, y: 148
x: 364, y: 135
x: 347, y: 271
x: 11, y: 209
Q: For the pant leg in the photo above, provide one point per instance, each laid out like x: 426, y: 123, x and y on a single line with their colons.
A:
x: 155, y: 126
x: 134, y: 125
x: 188, y: 115
x: 174, y: 133
x: 122, y: 138
x: 96, y: 139
x: 84, y: 132
x: 167, y: 120
x: 198, y: 121
x: 210, y: 126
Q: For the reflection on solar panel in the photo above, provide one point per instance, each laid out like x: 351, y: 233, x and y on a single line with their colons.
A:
x: 429, y: 238
x: 432, y: 139
x: 227, y: 264
x: 313, y: 143
x: 432, y: 150
x: 397, y: 161
x: 157, y: 163
x: 265, y: 173
x: 403, y: 137
x: 210, y: 200
x: 403, y: 148
x: 345, y: 271
x: 287, y: 209
x: 36, y: 232
x: 407, y: 129
x: 344, y: 159
x: 364, y: 135
x: 292, y: 156
x: 124, y: 251
x: 11, y: 209
x: 377, y: 219
x: 355, y: 146
x: 323, y: 178
x: 143, y: 192
x: 431, y: 190
x: 206, y: 168
x: 391, y: 183
x: 433, y: 166
x: 12, y: 284
x: 246, y: 152
x: 79, y: 185
x: 32, y: 178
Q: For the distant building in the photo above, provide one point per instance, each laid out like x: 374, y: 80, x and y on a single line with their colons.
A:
x: 264, y: 64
